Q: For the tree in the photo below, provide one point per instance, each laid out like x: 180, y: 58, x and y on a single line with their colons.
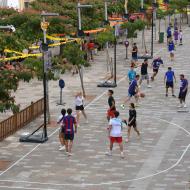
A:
x: 75, y: 56
x: 160, y: 15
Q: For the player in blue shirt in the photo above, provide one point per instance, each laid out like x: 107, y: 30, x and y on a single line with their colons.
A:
x: 183, y: 91
x: 169, y: 81
x: 132, y: 91
x: 156, y: 65
x: 131, y: 74
x: 171, y: 48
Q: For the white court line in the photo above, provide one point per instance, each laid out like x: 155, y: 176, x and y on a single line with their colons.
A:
x: 121, y: 181
x: 28, y: 188
x: 23, y: 157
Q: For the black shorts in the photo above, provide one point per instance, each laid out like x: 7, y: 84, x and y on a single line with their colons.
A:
x: 170, y: 84
x: 132, y: 124
x: 62, y: 130
x: 155, y: 70
x: 69, y: 137
x: 81, y: 108
x: 182, y: 95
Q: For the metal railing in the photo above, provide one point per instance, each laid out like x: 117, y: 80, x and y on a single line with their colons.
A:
x: 21, y: 119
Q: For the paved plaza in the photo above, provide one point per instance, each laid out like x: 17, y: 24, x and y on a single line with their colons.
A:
x: 160, y: 160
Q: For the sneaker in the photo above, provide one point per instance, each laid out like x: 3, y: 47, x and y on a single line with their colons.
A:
x: 108, y: 154
x: 122, y: 155
x: 185, y: 106
x: 180, y: 106
x: 62, y: 148
x: 166, y: 95
x: 149, y: 86
x: 123, y: 106
x: 69, y: 154
x: 86, y: 121
x: 174, y: 95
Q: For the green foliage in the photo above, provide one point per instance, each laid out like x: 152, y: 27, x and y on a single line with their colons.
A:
x: 132, y: 27
x: 179, y: 5
x: 74, y: 54
x: 160, y: 14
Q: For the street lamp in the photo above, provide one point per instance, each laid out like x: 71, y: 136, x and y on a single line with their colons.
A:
x: 79, y: 7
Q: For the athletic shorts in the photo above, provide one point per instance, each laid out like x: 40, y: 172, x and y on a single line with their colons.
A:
x: 116, y: 139
x: 170, y: 84
x: 132, y: 124
x: 182, y: 95
x: 131, y: 94
x: 62, y: 130
x: 144, y: 77
x: 81, y: 108
x: 155, y: 70
x: 69, y: 137
x: 111, y: 113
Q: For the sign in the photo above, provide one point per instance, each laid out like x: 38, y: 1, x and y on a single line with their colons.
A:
x: 61, y: 83
x: 47, y: 59
x: 44, y: 25
x: 127, y: 44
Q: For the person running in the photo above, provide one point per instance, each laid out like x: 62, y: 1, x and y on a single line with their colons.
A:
x: 169, y: 81
x: 132, y: 121
x: 135, y: 53
x: 111, y: 104
x: 131, y: 74
x: 183, y: 91
x: 79, y: 106
x: 132, y: 91
x: 115, y: 134
x: 61, y: 131
x: 171, y: 48
x: 156, y: 65
x: 70, y: 128
x: 144, y: 73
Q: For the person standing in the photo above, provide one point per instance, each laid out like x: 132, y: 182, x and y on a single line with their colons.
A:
x: 79, y: 106
x: 132, y: 121
x: 70, y: 128
x: 180, y: 37
x: 131, y: 74
x: 111, y: 104
x: 135, y: 53
x: 115, y: 134
x: 169, y: 81
x: 156, y: 65
x: 171, y: 48
x: 176, y: 35
x: 169, y: 33
x: 91, y: 47
x: 183, y: 91
x: 144, y: 73
x: 61, y: 131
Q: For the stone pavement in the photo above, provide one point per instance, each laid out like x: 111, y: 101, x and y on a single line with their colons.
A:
x: 158, y: 161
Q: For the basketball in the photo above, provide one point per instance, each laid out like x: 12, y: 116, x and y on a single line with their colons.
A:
x: 142, y: 95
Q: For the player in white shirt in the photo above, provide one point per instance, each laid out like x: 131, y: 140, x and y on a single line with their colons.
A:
x: 115, y: 134
x: 61, y: 131
x: 79, y: 106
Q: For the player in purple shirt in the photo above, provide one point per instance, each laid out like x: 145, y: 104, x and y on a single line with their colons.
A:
x: 183, y: 91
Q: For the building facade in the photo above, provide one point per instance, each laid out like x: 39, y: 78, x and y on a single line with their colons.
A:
x: 3, y: 3
x: 24, y: 4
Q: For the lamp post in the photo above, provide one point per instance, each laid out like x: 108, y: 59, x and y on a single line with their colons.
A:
x: 44, y: 26
x: 79, y: 7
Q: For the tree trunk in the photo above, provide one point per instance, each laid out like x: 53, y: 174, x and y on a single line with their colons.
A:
x: 81, y: 80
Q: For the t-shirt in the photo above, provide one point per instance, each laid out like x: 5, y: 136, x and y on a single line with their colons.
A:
x: 156, y: 63
x: 79, y: 101
x: 171, y: 46
x: 110, y: 102
x: 169, y: 32
x: 132, y: 115
x: 131, y: 75
x: 132, y: 87
x: 116, y: 129
x: 69, y: 121
x: 183, y: 84
x: 169, y: 76
x: 134, y: 52
x: 144, y: 69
